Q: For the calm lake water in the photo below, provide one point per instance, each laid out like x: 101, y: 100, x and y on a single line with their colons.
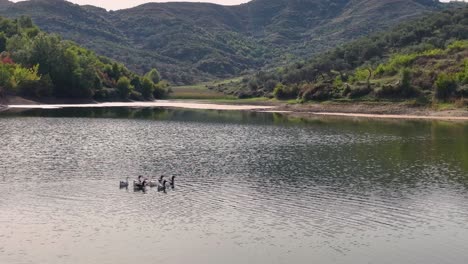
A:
x: 251, y: 188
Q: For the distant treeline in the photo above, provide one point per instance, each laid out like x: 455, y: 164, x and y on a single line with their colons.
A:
x: 425, y: 58
x: 37, y: 64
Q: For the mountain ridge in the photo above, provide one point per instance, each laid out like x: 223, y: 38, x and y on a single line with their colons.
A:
x: 191, y: 42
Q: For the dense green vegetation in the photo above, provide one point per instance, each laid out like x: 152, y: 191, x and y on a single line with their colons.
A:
x: 424, y: 59
x: 193, y: 42
x: 37, y: 64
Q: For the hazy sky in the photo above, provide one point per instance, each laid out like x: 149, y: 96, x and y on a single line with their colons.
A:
x: 120, y: 4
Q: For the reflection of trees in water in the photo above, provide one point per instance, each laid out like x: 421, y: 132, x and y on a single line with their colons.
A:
x: 375, y: 152
x: 212, y: 116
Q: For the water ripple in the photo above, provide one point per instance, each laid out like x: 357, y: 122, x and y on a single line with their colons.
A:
x: 246, y: 190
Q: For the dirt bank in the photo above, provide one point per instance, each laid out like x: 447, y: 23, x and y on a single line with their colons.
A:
x: 373, y: 110
x: 352, y: 109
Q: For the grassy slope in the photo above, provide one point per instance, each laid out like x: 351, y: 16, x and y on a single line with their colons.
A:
x: 341, y: 73
x: 201, y: 91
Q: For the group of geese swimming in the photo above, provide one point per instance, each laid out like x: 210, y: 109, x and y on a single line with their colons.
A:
x: 142, y: 182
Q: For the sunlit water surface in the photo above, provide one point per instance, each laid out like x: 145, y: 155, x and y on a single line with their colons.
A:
x: 251, y: 188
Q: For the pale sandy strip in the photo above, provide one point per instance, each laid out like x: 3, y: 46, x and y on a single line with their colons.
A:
x: 191, y: 105
x: 392, y: 116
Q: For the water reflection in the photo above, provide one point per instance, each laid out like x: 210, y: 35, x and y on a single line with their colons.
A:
x: 252, y: 187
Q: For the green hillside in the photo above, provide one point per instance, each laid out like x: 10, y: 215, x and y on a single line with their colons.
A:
x: 36, y: 64
x: 193, y: 42
x: 425, y: 59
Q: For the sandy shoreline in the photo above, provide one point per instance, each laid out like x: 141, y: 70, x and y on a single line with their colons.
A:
x: 346, y: 110
x: 374, y: 110
x: 159, y: 103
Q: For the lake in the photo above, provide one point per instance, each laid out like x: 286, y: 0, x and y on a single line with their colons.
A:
x: 250, y: 188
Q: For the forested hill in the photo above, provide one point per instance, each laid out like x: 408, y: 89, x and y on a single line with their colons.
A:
x: 425, y: 59
x: 36, y: 64
x: 190, y: 42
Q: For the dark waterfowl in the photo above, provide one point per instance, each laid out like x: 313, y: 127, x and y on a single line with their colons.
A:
x: 140, y: 184
x: 124, y: 184
x: 172, y: 182
x: 162, y: 186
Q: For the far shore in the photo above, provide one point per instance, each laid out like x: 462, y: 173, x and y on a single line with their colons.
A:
x: 22, y: 103
x: 381, y: 110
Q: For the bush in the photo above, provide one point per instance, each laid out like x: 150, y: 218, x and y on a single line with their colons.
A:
x: 283, y: 92
x: 462, y: 76
x: 446, y: 85
x: 38, y: 88
x: 462, y: 91
x: 405, y: 87
x: 106, y: 94
x: 159, y: 91
x: 387, y: 91
x: 319, y: 92
x: 361, y: 74
x: 135, y: 95
x: 458, y: 45
x: 359, y: 92
x: 154, y: 76
x: 147, y: 88
x: 124, y: 87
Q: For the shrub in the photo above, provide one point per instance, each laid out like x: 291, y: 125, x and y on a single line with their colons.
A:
x: 319, y: 92
x: 160, y: 90
x: 147, y: 88
x: 458, y: 45
x: 359, y: 92
x: 407, y: 90
x: 396, y: 62
x: 462, y: 91
x: 124, y: 87
x: 283, y: 92
x: 154, y: 76
x: 37, y: 88
x: 462, y: 76
x: 338, y: 82
x: 446, y: 85
x: 361, y: 74
x: 106, y: 93
x: 432, y: 52
x: 270, y: 85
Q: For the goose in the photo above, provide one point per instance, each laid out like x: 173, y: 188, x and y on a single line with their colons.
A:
x: 161, y: 178
x: 124, y: 184
x: 162, y: 186
x: 140, y: 184
x: 172, y: 182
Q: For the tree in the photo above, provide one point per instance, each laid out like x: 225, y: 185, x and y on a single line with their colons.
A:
x: 445, y: 86
x: 147, y: 88
x: 5, y: 75
x: 3, y: 42
x: 21, y: 74
x: 154, y: 76
x: 25, y: 22
x: 124, y: 87
x: 159, y: 90
x: 406, y: 88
